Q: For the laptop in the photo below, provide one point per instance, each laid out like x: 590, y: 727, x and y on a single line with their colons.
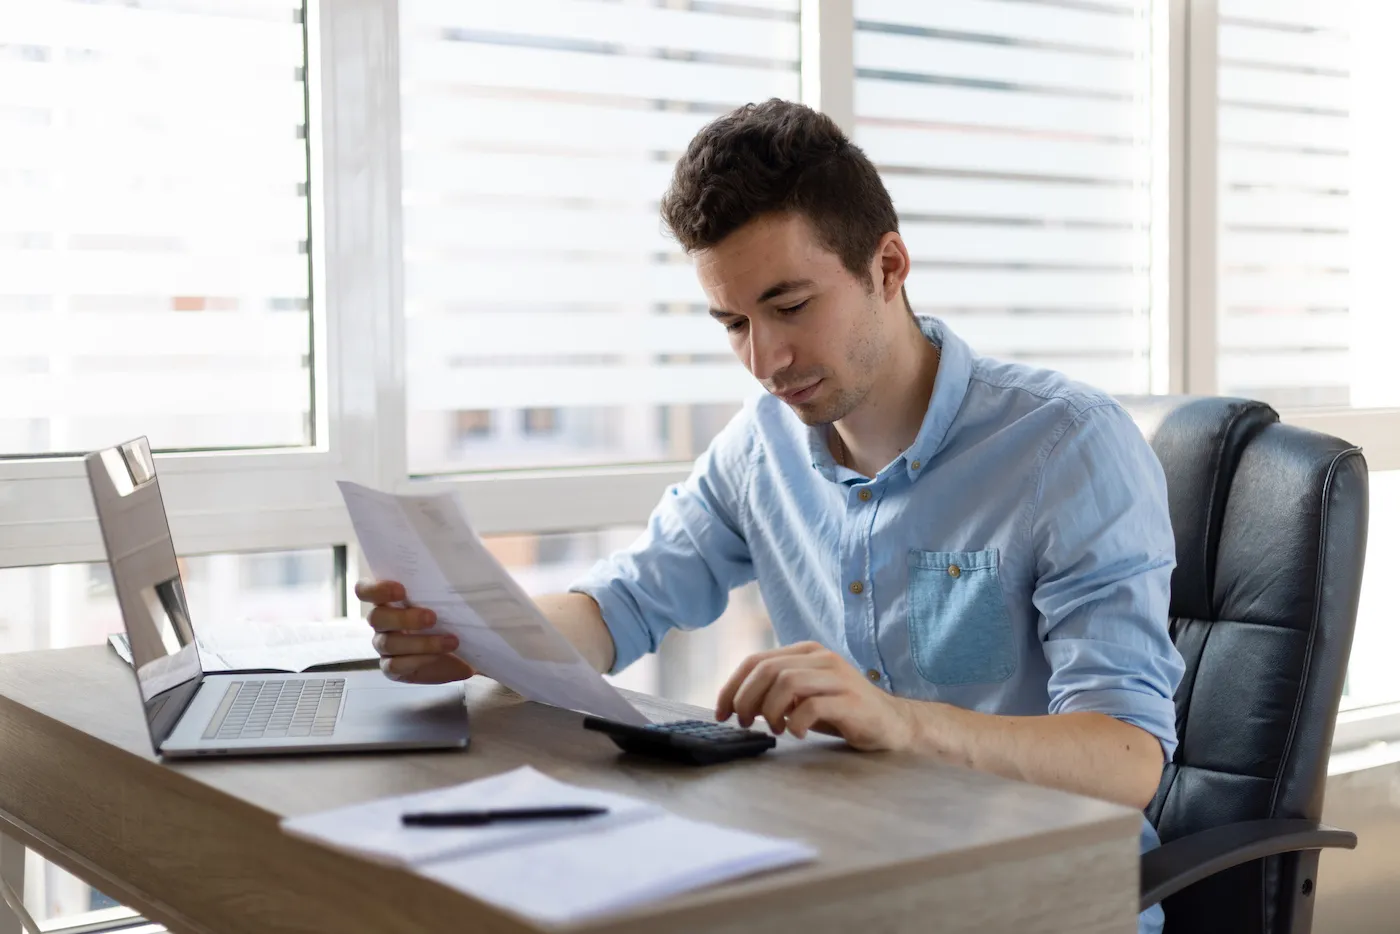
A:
x: 194, y: 712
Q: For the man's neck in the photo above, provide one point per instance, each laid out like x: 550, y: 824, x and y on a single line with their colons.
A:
x: 889, y: 418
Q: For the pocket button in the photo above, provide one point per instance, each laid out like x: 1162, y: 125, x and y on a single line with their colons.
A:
x: 954, y: 571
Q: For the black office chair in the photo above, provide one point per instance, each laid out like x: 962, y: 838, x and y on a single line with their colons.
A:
x: 1270, y: 524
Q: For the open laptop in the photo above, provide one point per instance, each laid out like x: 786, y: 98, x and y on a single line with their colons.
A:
x: 194, y: 712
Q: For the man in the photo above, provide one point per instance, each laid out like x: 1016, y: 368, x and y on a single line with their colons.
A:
x: 950, y: 548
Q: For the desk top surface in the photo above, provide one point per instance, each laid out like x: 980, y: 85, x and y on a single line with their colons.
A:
x: 865, y: 812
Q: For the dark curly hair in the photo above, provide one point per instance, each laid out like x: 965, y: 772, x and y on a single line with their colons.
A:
x: 779, y: 156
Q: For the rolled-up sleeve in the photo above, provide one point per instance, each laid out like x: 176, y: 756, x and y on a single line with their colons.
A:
x: 1105, y: 552
x: 679, y: 572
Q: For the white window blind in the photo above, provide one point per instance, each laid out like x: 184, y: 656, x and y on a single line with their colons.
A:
x: 154, y: 267
x: 550, y: 321
x: 1015, y: 139
x: 1307, y: 148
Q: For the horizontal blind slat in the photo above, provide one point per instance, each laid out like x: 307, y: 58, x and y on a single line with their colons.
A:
x: 1315, y: 14
x: 1035, y: 201
x: 611, y: 24
x: 892, y: 144
x: 1287, y: 50
x: 495, y: 66
x: 975, y: 107
x: 1258, y: 127
x: 989, y: 62
x: 1285, y: 249
x: 1285, y: 90
x: 1110, y: 30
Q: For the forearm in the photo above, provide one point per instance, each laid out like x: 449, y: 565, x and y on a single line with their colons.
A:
x: 1088, y: 753
x: 579, y: 620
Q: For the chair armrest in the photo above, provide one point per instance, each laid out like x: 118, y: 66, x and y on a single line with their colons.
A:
x: 1175, y: 865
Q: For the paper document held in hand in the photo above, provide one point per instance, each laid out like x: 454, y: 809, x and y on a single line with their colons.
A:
x: 424, y: 542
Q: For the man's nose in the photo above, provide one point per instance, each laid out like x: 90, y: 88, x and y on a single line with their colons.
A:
x: 769, y: 353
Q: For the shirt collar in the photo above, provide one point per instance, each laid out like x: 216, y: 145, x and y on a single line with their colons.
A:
x: 949, y: 390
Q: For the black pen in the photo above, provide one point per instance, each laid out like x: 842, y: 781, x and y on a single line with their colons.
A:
x: 499, y: 815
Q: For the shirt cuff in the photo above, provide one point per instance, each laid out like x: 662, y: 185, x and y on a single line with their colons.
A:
x: 1150, y: 712
x: 631, y: 637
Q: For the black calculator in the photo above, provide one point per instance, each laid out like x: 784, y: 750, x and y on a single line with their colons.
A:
x: 694, y: 742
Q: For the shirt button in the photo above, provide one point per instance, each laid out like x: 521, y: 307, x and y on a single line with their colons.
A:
x: 873, y: 675
x: 865, y: 496
x: 857, y: 587
x: 916, y: 465
x: 954, y: 571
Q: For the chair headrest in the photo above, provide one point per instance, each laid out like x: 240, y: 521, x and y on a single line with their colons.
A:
x: 1199, y: 440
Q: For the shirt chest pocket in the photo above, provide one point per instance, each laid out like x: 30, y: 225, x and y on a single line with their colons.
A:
x: 959, y: 627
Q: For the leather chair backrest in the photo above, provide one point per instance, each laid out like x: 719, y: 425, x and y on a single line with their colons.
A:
x: 1270, y: 524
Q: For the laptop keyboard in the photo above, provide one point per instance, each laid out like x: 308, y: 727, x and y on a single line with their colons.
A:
x: 277, y: 709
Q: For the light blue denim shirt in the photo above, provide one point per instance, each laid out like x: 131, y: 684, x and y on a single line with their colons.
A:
x: 1016, y: 559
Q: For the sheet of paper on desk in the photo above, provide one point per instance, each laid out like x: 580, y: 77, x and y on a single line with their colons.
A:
x: 425, y: 542
x: 585, y: 875
x: 374, y: 830
x: 553, y: 871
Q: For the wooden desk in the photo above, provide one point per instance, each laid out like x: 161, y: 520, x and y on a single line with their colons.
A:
x: 906, y: 845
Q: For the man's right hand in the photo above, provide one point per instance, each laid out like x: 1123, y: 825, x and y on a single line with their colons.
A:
x: 406, y: 653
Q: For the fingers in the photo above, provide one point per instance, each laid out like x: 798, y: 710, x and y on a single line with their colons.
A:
x: 791, y: 687
x: 814, y: 712
x: 379, y: 592
x: 425, y: 669
x: 724, y: 705
x: 749, y: 699
x: 394, y: 619
x: 400, y: 643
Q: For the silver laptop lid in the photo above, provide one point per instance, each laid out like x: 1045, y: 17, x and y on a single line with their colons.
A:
x: 136, y: 534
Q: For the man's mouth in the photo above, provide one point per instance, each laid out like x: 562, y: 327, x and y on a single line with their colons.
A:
x: 798, y: 396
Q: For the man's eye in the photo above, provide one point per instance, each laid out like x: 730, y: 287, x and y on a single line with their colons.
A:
x: 793, y: 309
x: 736, y: 325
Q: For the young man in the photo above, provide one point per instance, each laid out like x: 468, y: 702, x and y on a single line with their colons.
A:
x: 961, y: 557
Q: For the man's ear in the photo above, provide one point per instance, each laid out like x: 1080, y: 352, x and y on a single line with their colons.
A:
x: 890, y: 266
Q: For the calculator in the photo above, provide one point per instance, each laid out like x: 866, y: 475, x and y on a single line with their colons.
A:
x: 693, y: 742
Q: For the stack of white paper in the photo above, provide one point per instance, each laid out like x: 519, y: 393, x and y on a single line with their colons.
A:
x: 553, y: 871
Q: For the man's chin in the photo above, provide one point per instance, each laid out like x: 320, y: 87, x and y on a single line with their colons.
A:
x: 817, y: 413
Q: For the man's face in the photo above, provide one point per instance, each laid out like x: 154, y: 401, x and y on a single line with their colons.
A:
x: 811, y: 332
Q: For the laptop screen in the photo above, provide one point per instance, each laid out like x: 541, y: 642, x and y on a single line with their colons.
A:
x: 136, y: 534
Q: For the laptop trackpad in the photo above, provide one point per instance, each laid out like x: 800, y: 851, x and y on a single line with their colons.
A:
x: 432, y: 706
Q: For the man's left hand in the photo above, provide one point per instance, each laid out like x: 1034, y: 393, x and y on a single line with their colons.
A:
x: 807, y: 686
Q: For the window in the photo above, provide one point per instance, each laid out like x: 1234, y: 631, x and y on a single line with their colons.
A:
x: 155, y: 231
x: 288, y: 575
x: 65, y: 605
x: 1308, y: 202
x: 538, y: 138
x: 1016, y: 141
